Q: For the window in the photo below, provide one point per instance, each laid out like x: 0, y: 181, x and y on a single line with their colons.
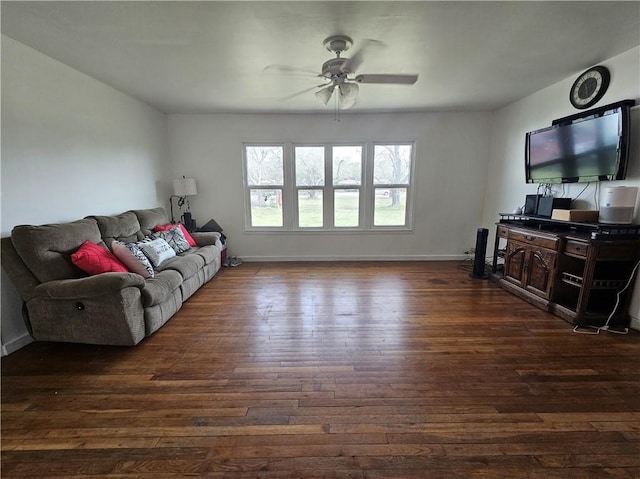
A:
x: 265, y: 180
x: 347, y: 185
x: 391, y: 175
x: 309, y: 167
x: 328, y: 187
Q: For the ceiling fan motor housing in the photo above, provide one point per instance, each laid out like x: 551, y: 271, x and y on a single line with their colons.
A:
x: 333, y: 69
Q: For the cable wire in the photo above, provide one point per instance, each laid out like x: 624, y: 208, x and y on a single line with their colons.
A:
x: 605, y: 327
x: 583, y: 189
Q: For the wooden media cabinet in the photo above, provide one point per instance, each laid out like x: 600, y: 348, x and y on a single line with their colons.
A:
x: 573, y: 270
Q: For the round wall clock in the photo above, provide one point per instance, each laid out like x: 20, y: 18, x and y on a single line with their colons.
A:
x: 589, y: 87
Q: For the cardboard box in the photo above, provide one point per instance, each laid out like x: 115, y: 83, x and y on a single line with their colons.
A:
x: 579, y: 216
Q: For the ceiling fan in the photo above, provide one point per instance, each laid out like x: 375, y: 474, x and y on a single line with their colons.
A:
x: 340, y: 73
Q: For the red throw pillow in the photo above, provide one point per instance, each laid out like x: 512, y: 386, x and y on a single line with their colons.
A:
x: 186, y: 234
x: 94, y: 259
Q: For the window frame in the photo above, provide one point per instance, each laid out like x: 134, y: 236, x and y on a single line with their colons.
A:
x: 408, y: 214
x: 367, y: 188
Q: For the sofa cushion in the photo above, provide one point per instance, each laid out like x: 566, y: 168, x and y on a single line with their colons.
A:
x: 175, y: 238
x: 208, y: 253
x: 94, y: 259
x: 186, y: 264
x: 160, y: 287
x: 149, y: 218
x: 47, y: 249
x: 133, y: 258
x: 123, y: 227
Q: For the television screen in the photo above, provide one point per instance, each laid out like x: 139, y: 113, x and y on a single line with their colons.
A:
x: 591, y: 149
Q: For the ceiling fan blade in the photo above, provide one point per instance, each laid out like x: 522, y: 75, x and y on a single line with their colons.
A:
x: 355, y: 60
x: 325, y: 94
x: 390, y: 78
x: 301, y: 92
x: 290, y: 70
x: 348, y: 94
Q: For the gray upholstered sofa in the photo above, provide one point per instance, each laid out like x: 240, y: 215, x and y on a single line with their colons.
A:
x: 62, y: 303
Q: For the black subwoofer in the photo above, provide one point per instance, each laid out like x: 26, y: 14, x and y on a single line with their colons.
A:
x: 481, y: 253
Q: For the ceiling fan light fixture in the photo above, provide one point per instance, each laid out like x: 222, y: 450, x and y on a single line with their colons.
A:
x: 348, y: 94
x: 325, y: 94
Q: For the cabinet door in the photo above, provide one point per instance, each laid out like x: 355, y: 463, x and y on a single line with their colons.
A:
x: 514, y: 262
x: 539, y: 268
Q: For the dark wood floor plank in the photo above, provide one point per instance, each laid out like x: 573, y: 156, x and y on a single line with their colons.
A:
x: 335, y: 371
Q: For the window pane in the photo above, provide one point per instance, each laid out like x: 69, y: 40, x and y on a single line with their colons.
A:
x: 309, y: 208
x: 264, y: 165
x: 390, y: 207
x: 266, y: 207
x: 347, y: 165
x: 392, y: 164
x: 346, y: 207
x: 309, y: 165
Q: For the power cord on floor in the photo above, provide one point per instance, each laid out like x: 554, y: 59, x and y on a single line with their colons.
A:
x: 468, y: 264
x: 605, y: 327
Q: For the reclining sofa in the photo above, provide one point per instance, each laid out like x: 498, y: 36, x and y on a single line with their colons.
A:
x: 64, y: 303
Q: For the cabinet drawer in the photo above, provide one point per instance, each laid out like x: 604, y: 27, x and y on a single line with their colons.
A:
x: 535, y: 239
x: 576, y: 248
x: 502, y: 232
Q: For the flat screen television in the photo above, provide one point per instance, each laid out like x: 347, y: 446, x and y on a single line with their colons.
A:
x: 588, y: 147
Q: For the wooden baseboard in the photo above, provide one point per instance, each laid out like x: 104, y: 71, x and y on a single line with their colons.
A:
x: 449, y: 257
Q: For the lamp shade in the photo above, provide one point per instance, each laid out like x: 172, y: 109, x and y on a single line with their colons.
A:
x: 185, y: 187
x: 324, y: 94
x: 348, y: 94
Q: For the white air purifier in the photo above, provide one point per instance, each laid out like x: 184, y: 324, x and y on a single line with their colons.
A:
x: 617, y: 204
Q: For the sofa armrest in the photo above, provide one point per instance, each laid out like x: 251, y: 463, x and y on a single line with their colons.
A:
x: 92, y: 286
x: 205, y: 238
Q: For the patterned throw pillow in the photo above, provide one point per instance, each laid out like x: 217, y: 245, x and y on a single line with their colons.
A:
x: 133, y: 258
x: 94, y: 259
x: 157, y: 250
x: 186, y: 234
x: 175, y: 238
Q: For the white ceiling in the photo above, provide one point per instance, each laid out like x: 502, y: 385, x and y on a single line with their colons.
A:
x: 211, y: 56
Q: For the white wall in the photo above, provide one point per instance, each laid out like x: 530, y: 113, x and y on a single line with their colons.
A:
x: 71, y: 147
x: 506, y: 187
x: 452, y: 156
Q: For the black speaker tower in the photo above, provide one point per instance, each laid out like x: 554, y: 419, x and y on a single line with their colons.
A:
x: 481, y: 254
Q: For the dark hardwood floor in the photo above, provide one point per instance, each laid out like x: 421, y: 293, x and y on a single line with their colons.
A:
x: 332, y: 370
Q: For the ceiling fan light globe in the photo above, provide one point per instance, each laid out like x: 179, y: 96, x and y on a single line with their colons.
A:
x: 348, y: 94
x: 349, y: 90
x: 324, y: 95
